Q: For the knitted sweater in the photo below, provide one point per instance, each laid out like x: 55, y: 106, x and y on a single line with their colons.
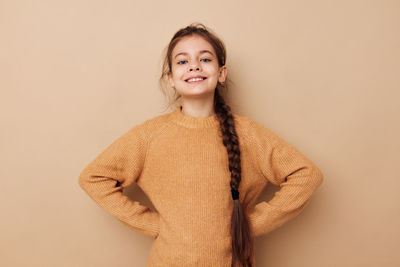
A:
x: 181, y: 164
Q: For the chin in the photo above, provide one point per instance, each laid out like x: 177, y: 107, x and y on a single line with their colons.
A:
x: 197, y: 94
x: 197, y: 91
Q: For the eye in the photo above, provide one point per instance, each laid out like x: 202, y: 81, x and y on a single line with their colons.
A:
x: 206, y: 59
x: 179, y: 62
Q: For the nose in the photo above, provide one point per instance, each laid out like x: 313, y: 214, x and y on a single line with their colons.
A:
x: 194, y: 65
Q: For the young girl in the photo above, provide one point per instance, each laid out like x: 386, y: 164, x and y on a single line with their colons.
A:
x: 202, y: 166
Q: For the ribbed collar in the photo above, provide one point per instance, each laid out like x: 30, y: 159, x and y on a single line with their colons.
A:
x: 193, y: 122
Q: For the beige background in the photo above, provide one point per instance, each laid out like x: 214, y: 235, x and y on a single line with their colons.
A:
x: 75, y: 75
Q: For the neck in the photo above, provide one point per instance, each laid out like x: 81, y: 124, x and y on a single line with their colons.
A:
x: 197, y: 108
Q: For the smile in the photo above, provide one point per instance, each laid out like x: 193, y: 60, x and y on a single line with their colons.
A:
x: 195, y: 80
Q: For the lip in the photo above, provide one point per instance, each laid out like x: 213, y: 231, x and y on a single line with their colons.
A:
x: 197, y: 76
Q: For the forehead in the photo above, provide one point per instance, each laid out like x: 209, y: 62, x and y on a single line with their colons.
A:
x: 192, y: 45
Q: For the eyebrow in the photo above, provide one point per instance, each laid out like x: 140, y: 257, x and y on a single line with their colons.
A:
x: 201, y: 52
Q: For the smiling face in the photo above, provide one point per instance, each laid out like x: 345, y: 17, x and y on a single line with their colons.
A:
x: 193, y: 56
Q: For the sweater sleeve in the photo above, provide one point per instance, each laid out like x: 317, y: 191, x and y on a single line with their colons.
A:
x: 117, y: 167
x: 284, y: 166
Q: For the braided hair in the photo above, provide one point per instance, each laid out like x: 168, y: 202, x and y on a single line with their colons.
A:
x: 242, y: 241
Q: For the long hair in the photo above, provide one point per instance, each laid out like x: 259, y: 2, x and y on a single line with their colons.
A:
x: 242, y: 241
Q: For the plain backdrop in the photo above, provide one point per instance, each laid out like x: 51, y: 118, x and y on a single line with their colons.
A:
x: 75, y: 75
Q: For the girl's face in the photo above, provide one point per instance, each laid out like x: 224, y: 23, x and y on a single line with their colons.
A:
x: 191, y: 57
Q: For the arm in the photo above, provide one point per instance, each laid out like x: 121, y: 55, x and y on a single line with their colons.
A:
x: 117, y: 167
x: 284, y: 166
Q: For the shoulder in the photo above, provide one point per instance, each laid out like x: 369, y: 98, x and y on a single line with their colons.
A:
x: 254, y: 131
x: 148, y: 128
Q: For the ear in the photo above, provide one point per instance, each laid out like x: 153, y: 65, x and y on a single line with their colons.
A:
x: 222, y: 74
x: 171, y: 83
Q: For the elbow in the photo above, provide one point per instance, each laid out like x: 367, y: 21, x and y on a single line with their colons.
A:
x: 317, y: 176
x: 83, y: 180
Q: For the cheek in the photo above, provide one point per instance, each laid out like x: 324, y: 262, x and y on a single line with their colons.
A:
x: 177, y: 72
x: 211, y: 69
x: 213, y: 73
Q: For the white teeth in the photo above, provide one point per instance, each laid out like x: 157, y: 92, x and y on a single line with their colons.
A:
x: 195, y: 79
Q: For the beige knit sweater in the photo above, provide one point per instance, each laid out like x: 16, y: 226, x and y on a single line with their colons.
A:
x: 181, y: 164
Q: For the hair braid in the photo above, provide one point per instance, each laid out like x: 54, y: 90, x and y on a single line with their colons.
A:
x: 241, y: 239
